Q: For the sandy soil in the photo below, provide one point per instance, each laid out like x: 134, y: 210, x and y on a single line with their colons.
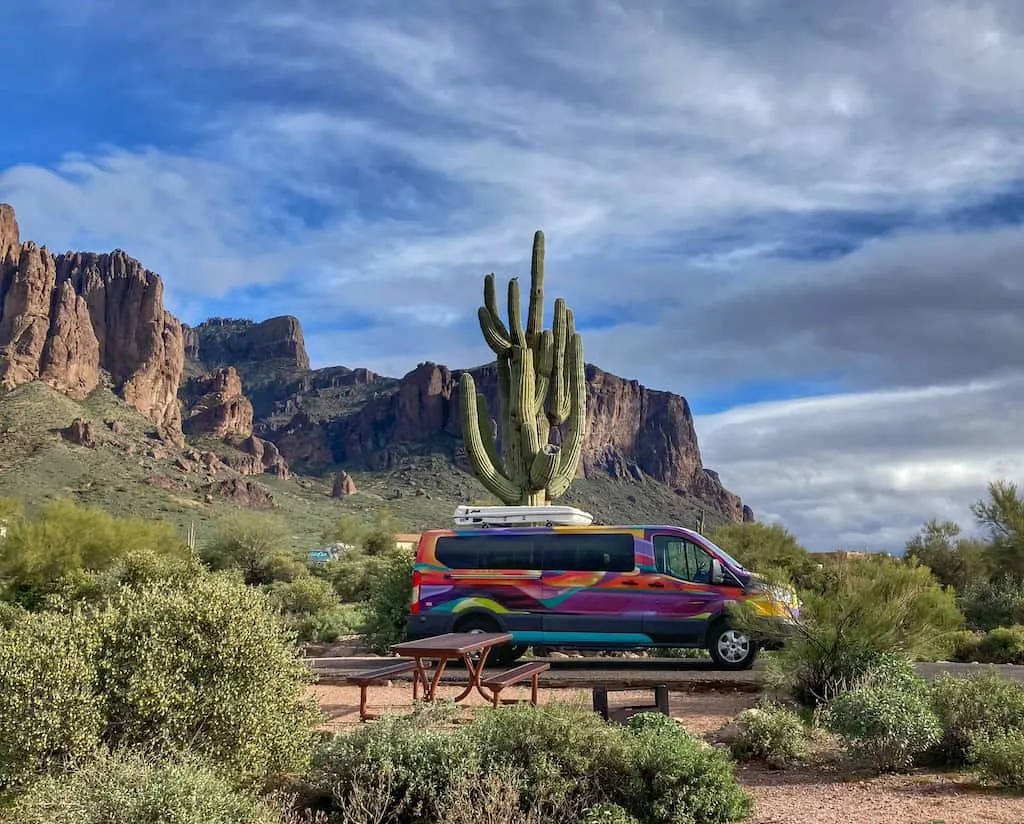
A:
x: 818, y: 795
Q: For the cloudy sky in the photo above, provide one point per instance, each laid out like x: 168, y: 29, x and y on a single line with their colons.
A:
x: 804, y: 216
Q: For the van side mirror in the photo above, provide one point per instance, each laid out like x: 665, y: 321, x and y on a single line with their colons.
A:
x: 716, y: 571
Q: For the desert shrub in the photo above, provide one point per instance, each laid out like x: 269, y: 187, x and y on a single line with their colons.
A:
x: 533, y: 764
x: 678, y: 778
x: 608, y: 814
x: 390, y: 596
x: 1002, y: 645
x: 974, y: 707
x: 49, y: 712
x: 987, y: 605
x: 311, y: 609
x: 888, y: 720
x: 129, y: 790
x: 375, y: 536
x: 132, y: 571
x: 395, y: 769
x: 210, y: 668
x: 68, y: 543
x: 771, y: 733
x: 955, y: 561
x: 352, y: 574
x: 1000, y: 759
x: 256, y: 544
x: 870, y: 607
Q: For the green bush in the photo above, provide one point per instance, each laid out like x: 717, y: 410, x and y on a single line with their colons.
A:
x: 255, y: 544
x: 771, y: 733
x: 974, y: 707
x: 49, y: 712
x: 352, y: 574
x: 208, y: 668
x: 997, y: 604
x: 68, y: 543
x: 548, y: 763
x: 1000, y: 759
x: 129, y: 790
x: 868, y: 608
x: 768, y: 549
x: 390, y: 596
x: 888, y: 721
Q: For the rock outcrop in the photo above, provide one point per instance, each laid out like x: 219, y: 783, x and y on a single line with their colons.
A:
x: 215, y: 405
x: 632, y: 431
x: 260, y: 456
x: 343, y: 485
x: 233, y: 342
x: 66, y: 319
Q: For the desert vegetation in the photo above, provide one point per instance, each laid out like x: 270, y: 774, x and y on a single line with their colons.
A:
x: 149, y: 680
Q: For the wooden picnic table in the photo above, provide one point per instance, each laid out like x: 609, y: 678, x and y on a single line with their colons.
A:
x: 449, y: 647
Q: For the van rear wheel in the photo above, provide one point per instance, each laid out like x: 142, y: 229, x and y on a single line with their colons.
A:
x: 503, y: 655
x: 731, y: 649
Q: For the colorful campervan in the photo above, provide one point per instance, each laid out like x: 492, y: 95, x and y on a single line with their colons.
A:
x: 571, y: 584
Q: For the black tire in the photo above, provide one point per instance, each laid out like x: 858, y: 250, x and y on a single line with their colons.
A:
x: 503, y: 655
x: 731, y: 649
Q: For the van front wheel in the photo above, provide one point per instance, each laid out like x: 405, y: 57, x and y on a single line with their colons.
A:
x: 731, y: 649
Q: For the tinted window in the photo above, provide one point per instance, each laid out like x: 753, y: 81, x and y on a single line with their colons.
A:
x: 682, y: 558
x: 573, y: 553
x: 587, y: 553
x: 487, y: 552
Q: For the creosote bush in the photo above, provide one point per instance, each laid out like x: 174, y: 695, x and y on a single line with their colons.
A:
x: 888, y: 719
x: 127, y: 789
x: 548, y: 763
x: 390, y: 596
x: 973, y: 708
x: 50, y: 716
x: 771, y: 733
x: 1000, y: 759
x: 209, y: 668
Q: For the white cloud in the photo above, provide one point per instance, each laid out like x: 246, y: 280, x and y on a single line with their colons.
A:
x: 867, y: 470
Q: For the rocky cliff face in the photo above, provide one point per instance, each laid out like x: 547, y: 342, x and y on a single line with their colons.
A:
x: 64, y: 319
x: 233, y: 342
x: 632, y: 431
x: 215, y: 405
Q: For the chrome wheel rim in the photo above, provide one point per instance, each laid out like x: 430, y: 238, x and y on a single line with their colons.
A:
x: 733, y: 646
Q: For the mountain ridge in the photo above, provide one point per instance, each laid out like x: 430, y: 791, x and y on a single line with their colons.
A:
x: 81, y: 320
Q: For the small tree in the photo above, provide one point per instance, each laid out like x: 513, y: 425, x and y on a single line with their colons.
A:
x: 955, y: 561
x: 256, y: 545
x: 768, y: 549
x: 1003, y: 516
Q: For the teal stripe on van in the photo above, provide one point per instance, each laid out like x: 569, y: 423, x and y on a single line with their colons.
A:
x: 553, y: 638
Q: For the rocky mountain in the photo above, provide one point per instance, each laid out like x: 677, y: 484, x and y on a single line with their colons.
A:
x: 76, y: 320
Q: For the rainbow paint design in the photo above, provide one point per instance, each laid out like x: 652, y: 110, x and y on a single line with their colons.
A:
x: 597, y: 587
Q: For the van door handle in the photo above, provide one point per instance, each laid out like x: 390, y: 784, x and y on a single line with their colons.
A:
x: 656, y: 585
x: 629, y: 583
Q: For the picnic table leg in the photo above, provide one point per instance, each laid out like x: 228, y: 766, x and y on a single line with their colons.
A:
x: 432, y: 688
x: 475, y: 674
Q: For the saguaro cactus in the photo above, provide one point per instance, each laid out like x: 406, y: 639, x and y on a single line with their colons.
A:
x: 541, y: 383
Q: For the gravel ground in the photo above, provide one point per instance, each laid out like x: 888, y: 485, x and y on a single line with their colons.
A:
x: 815, y: 795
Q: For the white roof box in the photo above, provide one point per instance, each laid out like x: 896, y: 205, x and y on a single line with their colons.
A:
x: 521, y: 516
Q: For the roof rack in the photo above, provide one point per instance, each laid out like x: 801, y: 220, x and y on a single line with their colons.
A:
x: 487, y: 516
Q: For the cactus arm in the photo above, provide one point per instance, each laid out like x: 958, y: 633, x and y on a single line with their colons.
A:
x: 572, y: 446
x: 515, y: 314
x: 558, y: 402
x: 535, y: 317
x: 491, y: 305
x: 486, y: 424
x: 521, y: 419
x: 490, y: 476
x: 545, y: 467
x: 543, y: 361
x: 495, y: 338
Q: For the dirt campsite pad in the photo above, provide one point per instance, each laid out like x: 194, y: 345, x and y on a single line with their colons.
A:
x: 824, y: 793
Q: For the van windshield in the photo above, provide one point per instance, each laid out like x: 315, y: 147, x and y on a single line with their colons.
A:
x: 728, y: 558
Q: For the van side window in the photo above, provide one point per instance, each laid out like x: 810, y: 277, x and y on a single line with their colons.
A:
x: 681, y: 558
x: 610, y: 552
x: 487, y: 552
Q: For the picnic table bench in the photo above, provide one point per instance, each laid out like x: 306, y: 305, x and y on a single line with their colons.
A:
x: 524, y: 672
x: 375, y: 677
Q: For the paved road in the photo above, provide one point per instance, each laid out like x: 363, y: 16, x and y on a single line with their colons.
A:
x: 680, y: 674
